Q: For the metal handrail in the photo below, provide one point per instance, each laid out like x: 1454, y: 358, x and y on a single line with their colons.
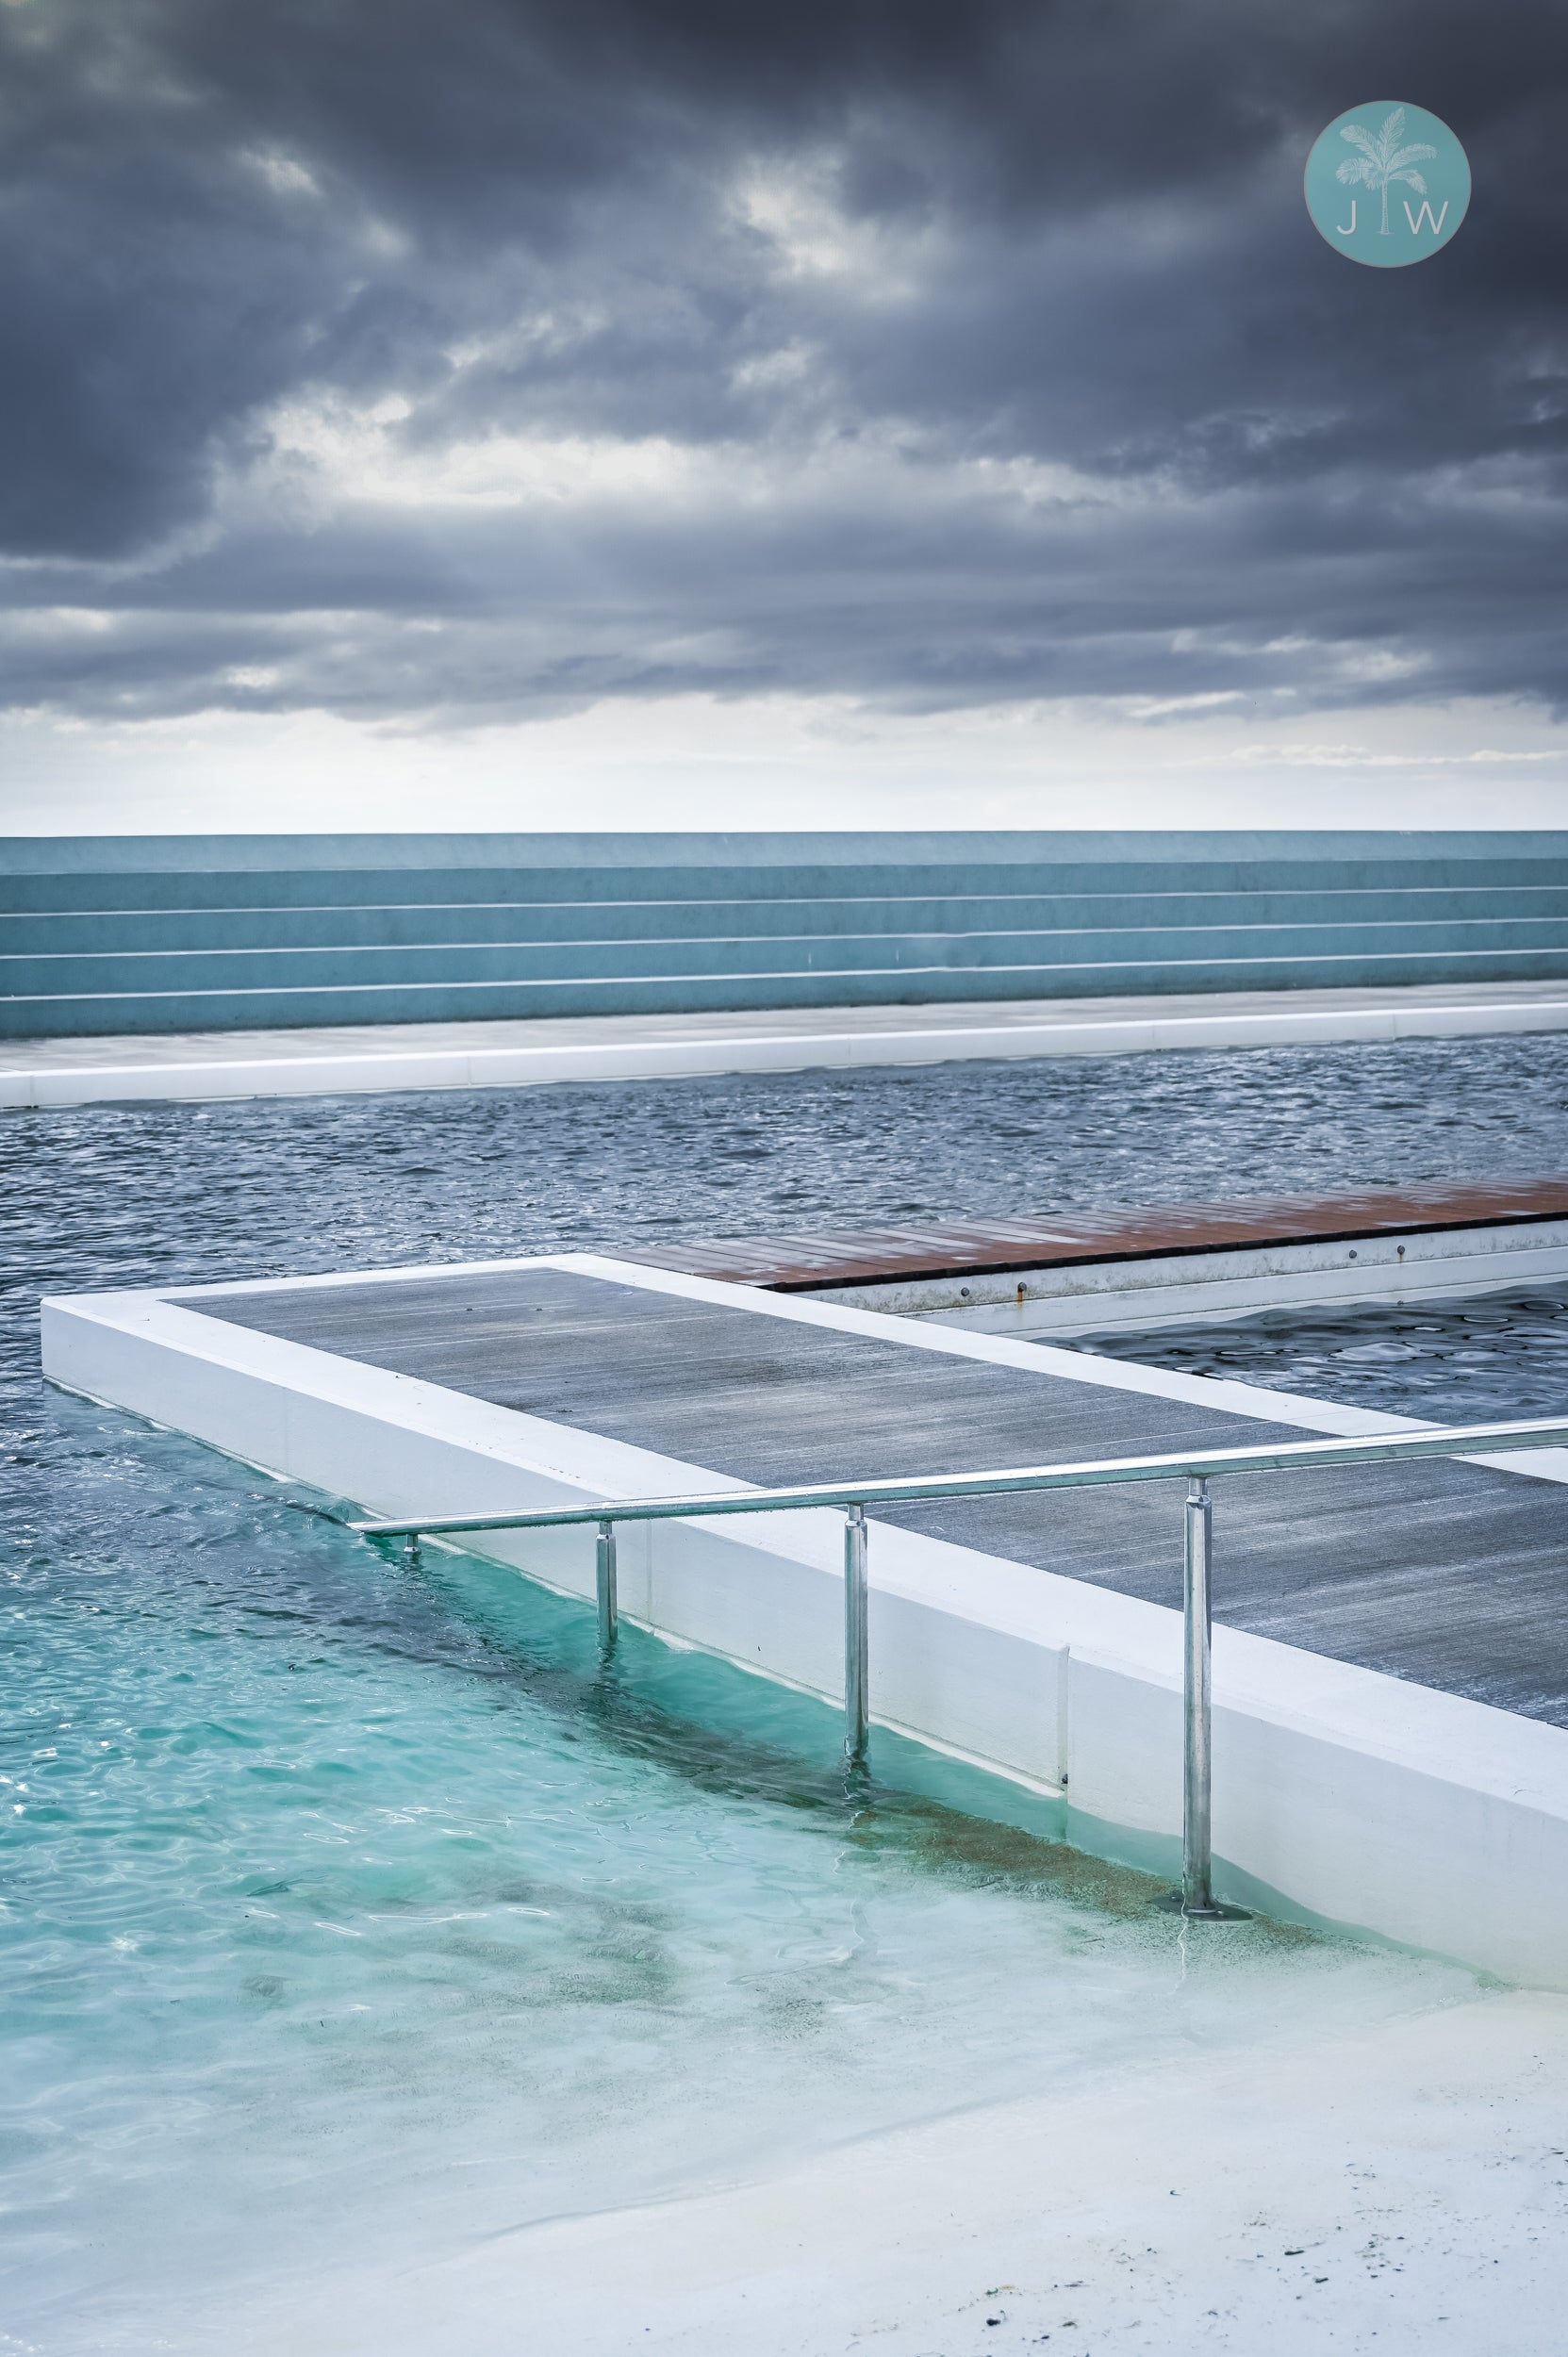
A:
x: 1431, y: 1440
x: 1195, y: 1897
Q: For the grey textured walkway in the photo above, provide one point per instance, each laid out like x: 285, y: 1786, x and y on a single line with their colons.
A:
x: 1449, y: 1574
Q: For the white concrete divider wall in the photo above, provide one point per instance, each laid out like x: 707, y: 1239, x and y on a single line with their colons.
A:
x: 540, y: 1052
x: 1341, y: 1795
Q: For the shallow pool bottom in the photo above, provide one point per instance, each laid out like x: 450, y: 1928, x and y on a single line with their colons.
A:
x: 356, y: 1914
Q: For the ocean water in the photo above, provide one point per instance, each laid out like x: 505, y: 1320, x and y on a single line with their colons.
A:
x: 139, y: 1194
x: 1479, y: 1360
x: 349, y: 1912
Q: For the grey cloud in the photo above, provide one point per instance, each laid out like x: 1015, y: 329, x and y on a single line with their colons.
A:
x: 520, y: 220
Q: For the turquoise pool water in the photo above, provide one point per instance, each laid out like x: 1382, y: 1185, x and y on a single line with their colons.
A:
x: 348, y: 1913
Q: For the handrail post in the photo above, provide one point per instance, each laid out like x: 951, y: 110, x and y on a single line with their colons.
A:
x: 604, y: 1582
x: 1197, y: 1651
x: 856, y: 1636
x: 1197, y: 1894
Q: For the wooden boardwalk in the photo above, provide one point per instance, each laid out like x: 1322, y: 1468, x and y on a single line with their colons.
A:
x: 813, y: 1259
x: 1448, y: 1574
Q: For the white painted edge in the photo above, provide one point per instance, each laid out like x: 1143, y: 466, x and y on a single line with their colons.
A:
x: 1365, y: 1800
x: 305, y: 1075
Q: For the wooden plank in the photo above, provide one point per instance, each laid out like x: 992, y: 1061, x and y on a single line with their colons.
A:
x: 810, y: 1259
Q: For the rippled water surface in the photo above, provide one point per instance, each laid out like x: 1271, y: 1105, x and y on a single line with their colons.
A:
x: 348, y: 1910
x: 1471, y: 1361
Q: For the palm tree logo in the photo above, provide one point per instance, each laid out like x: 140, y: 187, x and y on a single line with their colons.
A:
x: 1381, y: 160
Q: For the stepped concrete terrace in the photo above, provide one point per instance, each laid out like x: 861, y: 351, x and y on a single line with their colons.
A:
x: 122, y: 935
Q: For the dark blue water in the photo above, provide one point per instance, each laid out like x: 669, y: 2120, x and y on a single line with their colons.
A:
x: 1469, y: 1361
x: 347, y: 1911
x: 149, y: 1193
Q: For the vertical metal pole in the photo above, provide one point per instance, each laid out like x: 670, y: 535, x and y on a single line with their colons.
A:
x: 411, y: 1554
x: 604, y: 1578
x: 1197, y: 1896
x: 856, y: 1636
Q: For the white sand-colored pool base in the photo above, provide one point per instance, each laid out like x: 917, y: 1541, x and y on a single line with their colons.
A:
x: 1341, y: 1795
x: 1398, y: 2190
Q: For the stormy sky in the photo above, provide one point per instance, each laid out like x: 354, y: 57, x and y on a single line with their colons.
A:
x: 515, y: 411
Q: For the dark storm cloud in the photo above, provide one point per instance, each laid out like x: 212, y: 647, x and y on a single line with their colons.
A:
x: 958, y: 353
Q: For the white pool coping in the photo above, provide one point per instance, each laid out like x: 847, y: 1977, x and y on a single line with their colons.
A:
x: 1341, y: 1795
x: 530, y: 1052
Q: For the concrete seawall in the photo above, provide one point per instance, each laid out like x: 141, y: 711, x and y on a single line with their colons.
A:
x: 370, y: 1056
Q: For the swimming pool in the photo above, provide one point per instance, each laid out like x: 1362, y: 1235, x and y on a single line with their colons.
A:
x: 351, y: 1912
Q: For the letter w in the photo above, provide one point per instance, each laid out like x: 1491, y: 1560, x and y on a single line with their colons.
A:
x: 1426, y: 214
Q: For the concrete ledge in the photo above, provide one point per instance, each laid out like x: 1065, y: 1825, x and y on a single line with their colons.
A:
x: 1086, y: 1297
x: 349, y: 1059
x: 1341, y: 1795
